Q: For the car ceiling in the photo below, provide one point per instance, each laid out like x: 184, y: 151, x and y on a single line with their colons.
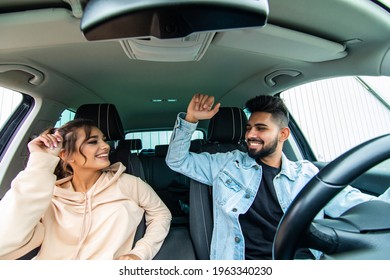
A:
x: 44, y: 35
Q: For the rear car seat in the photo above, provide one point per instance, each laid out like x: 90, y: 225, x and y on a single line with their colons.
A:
x: 172, y: 187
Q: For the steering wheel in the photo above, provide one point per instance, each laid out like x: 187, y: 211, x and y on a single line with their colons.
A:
x: 322, y: 188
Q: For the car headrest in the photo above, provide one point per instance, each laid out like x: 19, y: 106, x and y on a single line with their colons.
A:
x: 105, y: 117
x: 228, y: 125
x: 129, y: 144
x: 161, y: 150
x: 196, y: 144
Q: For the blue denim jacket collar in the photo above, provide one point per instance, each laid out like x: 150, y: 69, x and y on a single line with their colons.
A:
x: 249, y: 162
x: 287, y: 168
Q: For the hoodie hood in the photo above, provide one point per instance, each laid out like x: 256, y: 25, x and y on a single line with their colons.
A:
x: 64, y: 188
x: 82, y: 204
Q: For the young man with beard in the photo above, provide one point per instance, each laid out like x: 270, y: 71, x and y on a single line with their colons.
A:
x: 251, y: 190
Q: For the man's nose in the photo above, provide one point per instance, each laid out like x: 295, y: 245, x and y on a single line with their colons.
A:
x: 250, y: 133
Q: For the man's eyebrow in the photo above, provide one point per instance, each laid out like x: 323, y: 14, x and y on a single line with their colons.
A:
x: 256, y: 124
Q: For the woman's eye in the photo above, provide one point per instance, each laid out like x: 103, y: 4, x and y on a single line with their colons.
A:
x: 92, y: 142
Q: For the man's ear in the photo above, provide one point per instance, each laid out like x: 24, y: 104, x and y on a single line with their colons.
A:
x: 284, y: 133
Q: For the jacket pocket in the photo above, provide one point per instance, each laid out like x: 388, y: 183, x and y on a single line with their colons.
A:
x: 227, y: 187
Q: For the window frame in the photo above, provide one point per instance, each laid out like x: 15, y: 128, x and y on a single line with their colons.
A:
x: 301, y: 141
x: 14, y: 122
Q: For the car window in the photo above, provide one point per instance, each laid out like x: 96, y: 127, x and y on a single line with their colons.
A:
x: 9, y: 101
x: 14, y: 107
x: 66, y: 116
x: 337, y: 114
x: 152, y: 138
x: 149, y: 139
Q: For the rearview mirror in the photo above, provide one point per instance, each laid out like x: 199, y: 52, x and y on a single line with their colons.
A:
x: 166, y: 19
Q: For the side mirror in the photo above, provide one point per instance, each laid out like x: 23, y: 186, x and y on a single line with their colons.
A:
x: 167, y: 19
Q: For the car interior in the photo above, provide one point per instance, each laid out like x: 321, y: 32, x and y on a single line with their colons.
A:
x: 132, y: 66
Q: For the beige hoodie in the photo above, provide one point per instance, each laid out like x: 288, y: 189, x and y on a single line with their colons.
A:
x: 98, y: 224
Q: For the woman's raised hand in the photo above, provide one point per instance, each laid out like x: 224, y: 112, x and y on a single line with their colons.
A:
x: 46, y: 142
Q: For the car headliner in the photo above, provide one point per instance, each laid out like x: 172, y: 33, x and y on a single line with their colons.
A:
x: 313, y: 38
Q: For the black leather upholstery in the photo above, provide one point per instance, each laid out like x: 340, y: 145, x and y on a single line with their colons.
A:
x: 177, y: 245
x: 173, y: 189
x: 123, y: 153
x: 227, y: 126
x: 171, y: 186
x: 161, y: 150
x: 226, y: 133
x: 130, y: 144
x: 105, y: 117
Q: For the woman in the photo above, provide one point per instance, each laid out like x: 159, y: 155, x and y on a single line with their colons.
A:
x: 91, y: 212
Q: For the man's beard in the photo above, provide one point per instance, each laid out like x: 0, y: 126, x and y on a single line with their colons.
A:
x: 265, y: 151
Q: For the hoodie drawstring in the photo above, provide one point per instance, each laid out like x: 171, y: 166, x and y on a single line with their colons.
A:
x: 86, y: 225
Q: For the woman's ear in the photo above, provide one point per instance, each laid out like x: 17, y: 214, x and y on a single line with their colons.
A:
x: 63, y: 156
x: 284, y: 134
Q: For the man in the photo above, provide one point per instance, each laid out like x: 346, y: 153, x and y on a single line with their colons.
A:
x: 251, y: 190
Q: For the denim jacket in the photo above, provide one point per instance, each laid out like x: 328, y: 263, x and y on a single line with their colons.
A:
x: 235, y: 178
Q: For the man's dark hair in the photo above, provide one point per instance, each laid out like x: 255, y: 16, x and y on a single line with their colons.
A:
x: 270, y: 104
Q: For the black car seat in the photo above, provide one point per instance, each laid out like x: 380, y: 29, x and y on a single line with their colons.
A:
x: 123, y: 153
x: 226, y: 132
x: 172, y: 187
x: 130, y: 144
x: 107, y: 119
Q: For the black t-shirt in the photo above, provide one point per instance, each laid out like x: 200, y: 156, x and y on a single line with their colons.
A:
x: 259, y: 223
